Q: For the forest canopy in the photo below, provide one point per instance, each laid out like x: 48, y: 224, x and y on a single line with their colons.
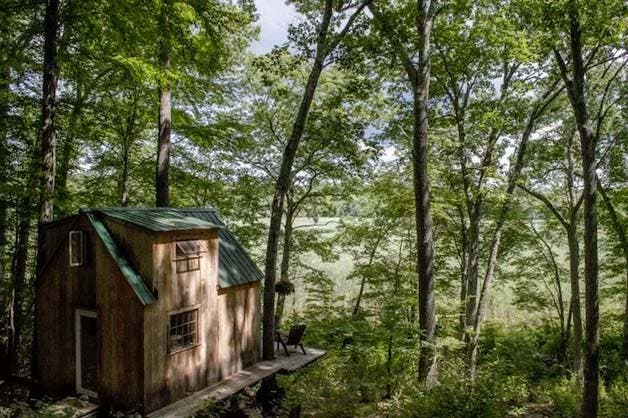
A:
x: 437, y: 189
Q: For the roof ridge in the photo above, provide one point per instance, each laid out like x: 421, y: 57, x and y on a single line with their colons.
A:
x: 158, y: 219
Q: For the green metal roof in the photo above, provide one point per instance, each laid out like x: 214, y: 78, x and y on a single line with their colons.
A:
x: 156, y: 219
x: 132, y: 277
x: 235, y: 266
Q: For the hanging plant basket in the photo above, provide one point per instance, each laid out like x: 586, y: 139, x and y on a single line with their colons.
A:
x: 284, y: 287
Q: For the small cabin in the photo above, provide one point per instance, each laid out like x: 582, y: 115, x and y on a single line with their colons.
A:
x: 138, y: 307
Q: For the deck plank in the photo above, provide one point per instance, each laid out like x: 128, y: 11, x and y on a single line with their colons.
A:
x: 224, y: 389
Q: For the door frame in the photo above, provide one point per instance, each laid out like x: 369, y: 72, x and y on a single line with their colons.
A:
x: 77, y: 320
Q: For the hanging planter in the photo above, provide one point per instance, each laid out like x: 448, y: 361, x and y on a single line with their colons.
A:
x: 284, y: 287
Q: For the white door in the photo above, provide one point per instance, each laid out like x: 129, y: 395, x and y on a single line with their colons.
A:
x: 87, y: 352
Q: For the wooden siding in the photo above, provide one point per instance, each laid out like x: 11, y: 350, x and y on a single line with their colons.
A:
x: 97, y: 285
x: 171, y: 376
x: 120, y: 321
x: 239, y: 320
x: 59, y: 291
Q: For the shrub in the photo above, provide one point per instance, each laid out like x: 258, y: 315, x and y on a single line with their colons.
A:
x: 564, y: 395
x: 615, y: 402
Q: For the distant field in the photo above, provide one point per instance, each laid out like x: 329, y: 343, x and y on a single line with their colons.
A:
x: 501, y: 305
x: 337, y: 271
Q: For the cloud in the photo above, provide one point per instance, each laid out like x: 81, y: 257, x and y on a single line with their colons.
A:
x: 274, y: 18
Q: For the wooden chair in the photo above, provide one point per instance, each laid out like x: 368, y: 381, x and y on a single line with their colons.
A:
x: 293, y: 338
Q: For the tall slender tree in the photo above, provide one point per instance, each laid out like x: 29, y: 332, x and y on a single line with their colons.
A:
x: 418, y: 75
x: 48, y: 112
x: 574, y: 81
x: 164, y: 128
x: 326, y: 41
x: 48, y: 134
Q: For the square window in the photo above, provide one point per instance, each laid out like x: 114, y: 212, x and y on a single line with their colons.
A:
x: 76, y: 248
x: 182, y: 331
x: 188, y: 255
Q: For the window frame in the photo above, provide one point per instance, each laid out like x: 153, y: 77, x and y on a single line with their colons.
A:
x: 187, y: 258
x: 81, y: 234
x: 193, y: 308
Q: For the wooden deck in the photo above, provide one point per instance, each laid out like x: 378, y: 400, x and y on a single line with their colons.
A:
x: 282, y: 364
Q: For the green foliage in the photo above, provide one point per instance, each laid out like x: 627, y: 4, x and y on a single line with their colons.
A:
x: 564, y: 396
x: 615, y: 403
x: 350, y: 199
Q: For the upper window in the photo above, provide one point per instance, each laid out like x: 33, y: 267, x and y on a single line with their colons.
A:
x: 76, y: 248
x: 188, y: 255
x: 183, y: 330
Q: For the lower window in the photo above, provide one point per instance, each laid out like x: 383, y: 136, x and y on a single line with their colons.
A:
x: 183, y: 330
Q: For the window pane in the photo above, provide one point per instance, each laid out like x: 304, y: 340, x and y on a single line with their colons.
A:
x: 182, y: 330
x: 190, y: 248
x: 76, y: 248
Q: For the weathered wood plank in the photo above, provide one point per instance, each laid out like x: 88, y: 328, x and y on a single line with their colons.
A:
x: 283, y: 364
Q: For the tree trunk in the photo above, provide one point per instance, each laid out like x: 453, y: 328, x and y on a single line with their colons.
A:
x: 49, y: 109
x: 162, y: 188
x: 474, y: 260
x: 575, y: 90
x: 123, y: 184
x: 621, y: 236
x: 559, y: 302
x: 4, y: 205
x: 5, y: 82
x: 356, y: 308
x: 574, y: 276
x: 162, y: 185
x: 283, y: 183
x: 48, y: 138
x: 464, y: 275
x: 18, y: 271
x: 571, y: 227
x: 472, y: 347
x: 285, y: 262
x: 591, y: 362
x: 513, y: 177
x: 425, y: 253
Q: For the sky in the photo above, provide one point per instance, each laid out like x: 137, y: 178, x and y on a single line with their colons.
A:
x: 274, y: 18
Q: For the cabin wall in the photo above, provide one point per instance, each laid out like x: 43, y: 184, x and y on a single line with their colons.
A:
x: 60, y: 290
x: 120, y: 321
x: 171, y: 376
x: 239, y: 319
x: 99, y: 286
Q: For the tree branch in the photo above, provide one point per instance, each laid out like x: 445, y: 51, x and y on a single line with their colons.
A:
x: 395, y: 41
